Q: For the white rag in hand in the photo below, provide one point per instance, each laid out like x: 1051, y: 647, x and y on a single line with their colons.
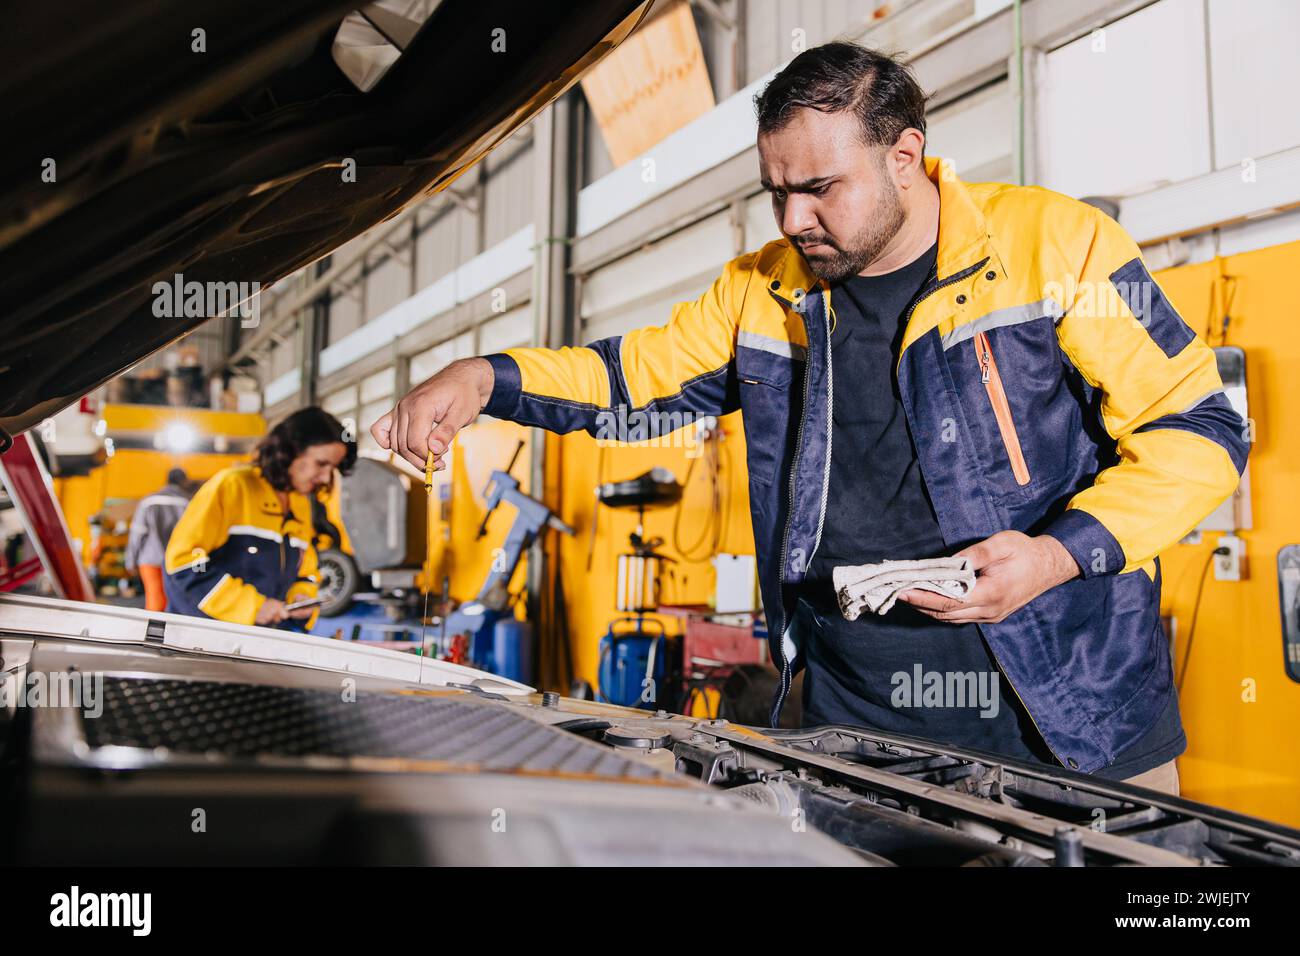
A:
x: 876, y: 586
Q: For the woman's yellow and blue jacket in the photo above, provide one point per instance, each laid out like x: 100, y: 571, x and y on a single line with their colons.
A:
x: 233, y: 548
x: 1049, y: 385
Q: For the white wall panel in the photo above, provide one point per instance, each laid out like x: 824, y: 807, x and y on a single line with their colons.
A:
x: 426, y: 363
x: 283, y: 358
x: 379, y: 385
x: 597, y: 161
x: 478, y: 275
x: 701, y: 144
x: 342, y: 403
x: 686, y: 260
x: 387, y: 283
x: 506, y: 331
x: 1130, y: 117
x: 509, y: 200
x: 760, y: 222
x: 345, y: 307
x: 1224, y: 196
x: 446, y: 240
x: 976, y: 134
x: 651, y: 311
x: 368, y: 415
x: 771, y: 25
x: 280, y: 389
x: 1255, y: 73
x: 1260, y: 234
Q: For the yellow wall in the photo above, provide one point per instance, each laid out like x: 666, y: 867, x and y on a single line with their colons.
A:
x: 1241, y: 751
x: 591, y: 594
x: 478, y: 450
x: 130, y: 475
x: 578, y: 464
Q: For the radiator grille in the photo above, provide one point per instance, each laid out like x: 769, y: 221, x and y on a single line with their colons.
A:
x: 249, y: 720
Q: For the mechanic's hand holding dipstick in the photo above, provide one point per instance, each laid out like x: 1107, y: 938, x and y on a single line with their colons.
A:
x: 423, y: 423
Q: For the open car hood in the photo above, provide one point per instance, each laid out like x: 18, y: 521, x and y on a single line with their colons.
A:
x: 225, y: 165
x: 126, y: 627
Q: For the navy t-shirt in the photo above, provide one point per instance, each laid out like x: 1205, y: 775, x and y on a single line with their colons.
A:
x: 904, y: 671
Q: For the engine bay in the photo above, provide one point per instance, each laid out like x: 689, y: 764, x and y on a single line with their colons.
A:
x: 179, y: 756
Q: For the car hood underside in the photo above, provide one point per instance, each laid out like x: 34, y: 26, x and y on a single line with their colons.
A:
x: 133, y: 158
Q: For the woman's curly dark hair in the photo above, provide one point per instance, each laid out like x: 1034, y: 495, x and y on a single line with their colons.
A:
x: 300, y: 431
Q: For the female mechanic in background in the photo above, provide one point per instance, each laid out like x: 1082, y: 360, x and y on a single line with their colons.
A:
x: 243, y: 550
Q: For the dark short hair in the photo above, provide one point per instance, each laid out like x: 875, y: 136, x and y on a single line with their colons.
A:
x: 177, y: 476
x: 300, y: 431
x: 834, y: 77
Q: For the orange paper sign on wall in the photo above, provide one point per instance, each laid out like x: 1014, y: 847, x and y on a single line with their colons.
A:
x: 653, y: 84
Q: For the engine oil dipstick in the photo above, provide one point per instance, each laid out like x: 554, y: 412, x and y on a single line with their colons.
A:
x: 428, y: 569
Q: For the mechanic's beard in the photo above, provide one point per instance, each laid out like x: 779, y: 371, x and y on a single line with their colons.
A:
x: 865, y: 247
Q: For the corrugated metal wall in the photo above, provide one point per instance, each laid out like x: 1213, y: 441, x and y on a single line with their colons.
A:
x: 508, y: 198
x: 448, y: 237
x: 773, y: 28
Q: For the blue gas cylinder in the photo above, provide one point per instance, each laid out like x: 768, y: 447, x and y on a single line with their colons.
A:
x: 624, y: 663
x: 512, y: 650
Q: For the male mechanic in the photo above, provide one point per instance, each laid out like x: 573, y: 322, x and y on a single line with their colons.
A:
x: 925, y: 367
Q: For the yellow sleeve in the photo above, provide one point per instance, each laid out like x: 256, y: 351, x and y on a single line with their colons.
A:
x: 1180, y: 444
x: 614, y: 387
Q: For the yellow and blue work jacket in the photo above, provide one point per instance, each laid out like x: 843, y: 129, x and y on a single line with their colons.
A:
x: 1049, y: 386
x: 233, y: 548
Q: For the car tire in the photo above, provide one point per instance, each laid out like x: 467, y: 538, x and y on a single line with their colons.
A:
x: 339, y: 580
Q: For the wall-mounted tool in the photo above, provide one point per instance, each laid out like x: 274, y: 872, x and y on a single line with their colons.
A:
x: 498, y: 642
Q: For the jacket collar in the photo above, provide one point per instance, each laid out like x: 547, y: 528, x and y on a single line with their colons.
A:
x: 963, y: 231
x: 963, y: 237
